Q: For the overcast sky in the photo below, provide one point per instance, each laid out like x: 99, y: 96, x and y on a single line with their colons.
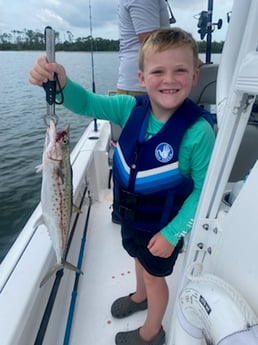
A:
x: 73, y: 16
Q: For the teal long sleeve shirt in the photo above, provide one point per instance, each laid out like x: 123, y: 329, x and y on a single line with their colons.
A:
x: 194, y: 154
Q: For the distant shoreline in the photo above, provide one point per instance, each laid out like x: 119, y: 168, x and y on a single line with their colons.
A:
x: 33, y: 40
x: 73, y: 47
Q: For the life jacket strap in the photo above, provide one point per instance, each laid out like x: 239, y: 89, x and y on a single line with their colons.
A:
x: 133, y: 199
x: 131, y: 215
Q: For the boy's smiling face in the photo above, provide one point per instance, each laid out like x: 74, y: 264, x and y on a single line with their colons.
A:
x: 168, y: 77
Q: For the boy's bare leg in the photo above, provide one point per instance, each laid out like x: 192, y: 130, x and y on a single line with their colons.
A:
x: 157, y: 296
x: 140, y: 294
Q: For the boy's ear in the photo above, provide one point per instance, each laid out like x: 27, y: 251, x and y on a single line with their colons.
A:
x: 196, y: 76
x: 141, y: 78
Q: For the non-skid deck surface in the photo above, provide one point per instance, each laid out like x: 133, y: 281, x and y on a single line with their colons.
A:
x: 108, y: 274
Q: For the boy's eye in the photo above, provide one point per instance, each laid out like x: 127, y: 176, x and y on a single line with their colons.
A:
x: 181, y: 70
x: 156, y: 72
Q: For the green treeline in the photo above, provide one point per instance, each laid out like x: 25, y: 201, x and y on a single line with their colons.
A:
x: 34, y: 40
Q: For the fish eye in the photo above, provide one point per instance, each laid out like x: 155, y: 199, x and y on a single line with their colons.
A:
x: 65, y: 140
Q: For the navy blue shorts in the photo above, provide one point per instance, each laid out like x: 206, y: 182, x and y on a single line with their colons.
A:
x: 135, y: 243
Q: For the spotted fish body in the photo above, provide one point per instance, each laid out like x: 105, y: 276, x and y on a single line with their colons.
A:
x: 56, y: 192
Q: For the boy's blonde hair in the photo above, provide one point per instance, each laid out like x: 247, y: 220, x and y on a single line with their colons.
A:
x: 164, y: 39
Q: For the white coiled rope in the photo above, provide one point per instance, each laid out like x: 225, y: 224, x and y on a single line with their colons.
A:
x: 210, y: 309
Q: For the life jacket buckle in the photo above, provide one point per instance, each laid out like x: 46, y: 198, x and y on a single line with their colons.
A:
x: 127, y: 213
x: 128, y: 198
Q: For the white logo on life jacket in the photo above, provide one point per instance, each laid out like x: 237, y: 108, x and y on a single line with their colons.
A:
x: 164, y: 152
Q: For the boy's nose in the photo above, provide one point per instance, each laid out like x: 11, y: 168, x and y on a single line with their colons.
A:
x: 169, y: 77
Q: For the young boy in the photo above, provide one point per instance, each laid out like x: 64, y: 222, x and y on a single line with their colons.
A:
x: 159, y: 166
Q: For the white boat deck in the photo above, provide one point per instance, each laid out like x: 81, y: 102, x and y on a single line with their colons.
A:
x: 108, y: 274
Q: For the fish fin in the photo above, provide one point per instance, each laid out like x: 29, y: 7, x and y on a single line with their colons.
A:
x: 38, y: 222
x: 76, y: 209
x: 39, y: 168
x: 71, y: 267
x: 58, y: 267
x: 52, y: 271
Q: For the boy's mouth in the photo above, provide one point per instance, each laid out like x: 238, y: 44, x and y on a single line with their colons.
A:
x: 169, y: 91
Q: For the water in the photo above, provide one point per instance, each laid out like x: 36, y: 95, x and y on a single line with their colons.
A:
x: 22, y: 129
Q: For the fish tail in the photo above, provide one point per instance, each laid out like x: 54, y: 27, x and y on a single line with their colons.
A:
x: 71, y: 267
x: 52, y: 271
x: 58, y: 267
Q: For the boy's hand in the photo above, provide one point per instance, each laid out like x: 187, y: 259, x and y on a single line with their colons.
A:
x: 159, y: 246
x: 42, y: 71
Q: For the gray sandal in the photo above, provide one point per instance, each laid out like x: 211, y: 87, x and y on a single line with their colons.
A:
x: 125, y: 306
x: 134, y: 338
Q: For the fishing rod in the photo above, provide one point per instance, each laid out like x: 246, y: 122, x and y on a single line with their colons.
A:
x: 172, y: 18
x: 70, y: 317
x: 91, y: 51
x: 92, y: 62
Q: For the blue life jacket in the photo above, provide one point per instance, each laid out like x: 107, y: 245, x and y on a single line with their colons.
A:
x: 149, y: 188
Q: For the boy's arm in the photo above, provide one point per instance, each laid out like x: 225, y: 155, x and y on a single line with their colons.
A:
x: 83, y: 102
x: 116, y: 108
x: 194, y: 157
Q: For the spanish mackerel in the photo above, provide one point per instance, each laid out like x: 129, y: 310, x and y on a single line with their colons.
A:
x: 56, y: 193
